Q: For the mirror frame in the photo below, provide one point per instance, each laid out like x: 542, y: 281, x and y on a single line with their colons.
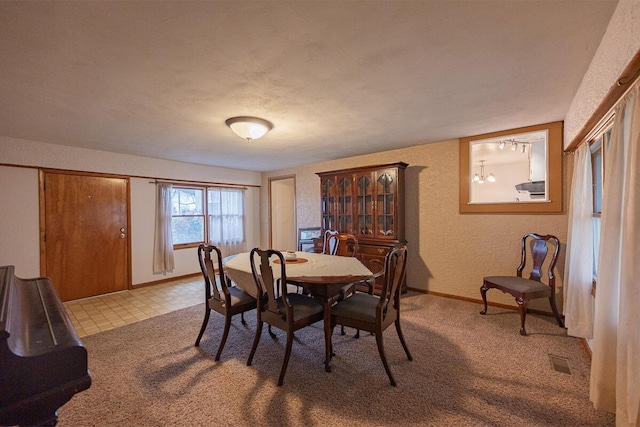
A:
x: 554, y: 171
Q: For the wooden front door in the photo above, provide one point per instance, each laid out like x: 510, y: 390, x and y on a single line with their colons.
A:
x: 85, y: 241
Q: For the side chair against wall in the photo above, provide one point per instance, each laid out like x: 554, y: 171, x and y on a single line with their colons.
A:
x: 525, y: 289
x: 375, y: 314
x: 276, y: 307
x: 227, y: 300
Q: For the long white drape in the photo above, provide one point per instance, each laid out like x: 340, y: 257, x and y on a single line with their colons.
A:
x: 615, y: 368
x: 226, y: 220
x: 163, y: 262
x: 578, y: 275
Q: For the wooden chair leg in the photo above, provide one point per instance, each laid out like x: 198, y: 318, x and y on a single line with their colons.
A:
x: 552, y: 301
x: 273, y: 334
x: 225, y: 334
x: 244, y: 322
x: 255, y: 342
x: 207, y: 312
x: 402, y: 341
x: 287, y: 355
x: 383, y: 357
x: 483, y: 292
x: 522, y: 306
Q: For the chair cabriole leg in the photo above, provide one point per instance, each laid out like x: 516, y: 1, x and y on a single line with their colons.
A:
x: 255, y: 342
x: 483, y: 292
x: 227, y: 325
x: 287, y: 355
x: 207, y: 312
x: 522, y: 306
x: 384, y: 357
x: 552, y: 301
x: 402, y: 341
x: 271, y: 333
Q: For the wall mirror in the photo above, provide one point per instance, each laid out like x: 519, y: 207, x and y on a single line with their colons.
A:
x: 512, y: 171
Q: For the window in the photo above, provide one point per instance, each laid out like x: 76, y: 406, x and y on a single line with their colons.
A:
x: 598, y: 146
x: 222, y: 207
x: 187, y: 215
x: 226, y: 215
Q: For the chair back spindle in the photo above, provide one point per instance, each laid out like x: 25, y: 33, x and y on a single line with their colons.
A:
x: 269, y: 288
x: 328, y: 245
x: 394, y: 273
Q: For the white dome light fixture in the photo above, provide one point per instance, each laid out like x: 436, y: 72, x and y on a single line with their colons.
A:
x: 249, y: 128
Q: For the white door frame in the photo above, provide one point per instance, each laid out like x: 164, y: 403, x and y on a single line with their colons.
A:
x: 282, y: 228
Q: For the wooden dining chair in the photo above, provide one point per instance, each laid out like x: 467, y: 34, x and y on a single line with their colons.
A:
x: 536, y: 247
x: 328, y: 246
x: 376, y: 313
x: 227, y: 300
x: 342, y: 244
x: 278, y: 308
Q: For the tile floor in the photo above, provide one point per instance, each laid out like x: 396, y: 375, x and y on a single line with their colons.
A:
x: 104, y: 312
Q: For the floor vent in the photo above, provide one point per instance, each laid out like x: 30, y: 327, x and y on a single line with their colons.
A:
x: 560, y: 364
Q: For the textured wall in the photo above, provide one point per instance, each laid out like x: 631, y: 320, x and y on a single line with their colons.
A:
x: 619, y: 44
x: 20, y: 224
x: 449, y: 252
x: 19, y: 228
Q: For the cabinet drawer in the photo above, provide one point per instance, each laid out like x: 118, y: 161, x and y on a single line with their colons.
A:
x: 366, y: 253
x: 373, y: 250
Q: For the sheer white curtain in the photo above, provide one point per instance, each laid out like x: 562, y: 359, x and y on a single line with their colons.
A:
x: 226, y: 220
x: 578, y: 274
x: 615, y: 367
x: 163, y: 262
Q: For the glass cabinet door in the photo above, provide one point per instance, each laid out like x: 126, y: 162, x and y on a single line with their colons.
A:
x: 328, y: 203
x: 364, y: 205
x: 345, y: 206
x: 386, y: 184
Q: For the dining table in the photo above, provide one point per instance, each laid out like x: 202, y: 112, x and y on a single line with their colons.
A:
x: 322, y: 276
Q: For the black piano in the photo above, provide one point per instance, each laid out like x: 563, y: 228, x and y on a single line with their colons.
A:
x: 42, y: 361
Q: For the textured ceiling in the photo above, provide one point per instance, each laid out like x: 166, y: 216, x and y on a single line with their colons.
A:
x: 336, y: 79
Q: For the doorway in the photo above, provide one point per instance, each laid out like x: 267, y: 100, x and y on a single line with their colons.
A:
x: 282, y: 213
x: 85, y: 233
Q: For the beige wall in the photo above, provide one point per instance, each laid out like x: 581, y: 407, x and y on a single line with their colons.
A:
x: 449, y: 252
x: 619, y: 44
x: 19, y: 228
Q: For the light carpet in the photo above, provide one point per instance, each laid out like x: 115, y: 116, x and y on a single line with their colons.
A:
x: 468, y: 370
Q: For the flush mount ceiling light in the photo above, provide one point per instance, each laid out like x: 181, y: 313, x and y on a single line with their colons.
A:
x: 249, y: 128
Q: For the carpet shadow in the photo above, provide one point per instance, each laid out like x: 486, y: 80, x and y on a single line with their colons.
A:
x: 465, y: 372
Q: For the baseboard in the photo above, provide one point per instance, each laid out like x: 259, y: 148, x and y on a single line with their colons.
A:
x: 169, y: 279
x: 587, y: 347
x: 479, y: 301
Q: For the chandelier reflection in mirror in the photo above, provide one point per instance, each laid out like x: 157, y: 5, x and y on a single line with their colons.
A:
x: 480, y: 178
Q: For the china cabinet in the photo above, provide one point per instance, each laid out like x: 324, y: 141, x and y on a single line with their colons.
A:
x: 367, y: 202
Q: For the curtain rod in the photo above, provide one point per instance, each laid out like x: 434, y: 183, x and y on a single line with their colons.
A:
x: 626, y: 80
x: 616, y: 92
x: 200, y: 183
